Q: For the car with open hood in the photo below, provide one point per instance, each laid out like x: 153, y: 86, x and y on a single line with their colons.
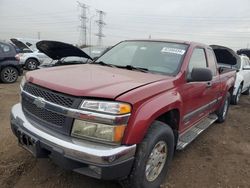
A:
x: 122, y: 116
x: 226, y: 60
x: 29, y: 56
x: 62, y: 54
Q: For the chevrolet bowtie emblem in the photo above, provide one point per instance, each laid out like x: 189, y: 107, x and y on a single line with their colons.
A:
x: 39, y: 102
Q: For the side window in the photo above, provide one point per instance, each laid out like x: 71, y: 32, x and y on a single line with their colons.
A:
x: 247, y: 62
x: 198, y: 60
x: 244, y: 62
x: 5, y: 48
x: 212, y: 61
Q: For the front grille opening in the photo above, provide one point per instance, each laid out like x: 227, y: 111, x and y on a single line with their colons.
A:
x: 49, y: 95
x: 44, y: 114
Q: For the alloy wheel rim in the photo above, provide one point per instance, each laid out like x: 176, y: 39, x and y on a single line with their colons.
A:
x: 156, y: 161
x: 9, y: 75
x: 32, y: 65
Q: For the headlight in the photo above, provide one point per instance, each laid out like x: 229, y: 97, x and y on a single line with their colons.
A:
x: 109, y: 133
x: 106, y: 107
x: 23, y: 81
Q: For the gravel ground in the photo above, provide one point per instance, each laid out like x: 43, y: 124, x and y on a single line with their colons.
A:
x: 220, y: 157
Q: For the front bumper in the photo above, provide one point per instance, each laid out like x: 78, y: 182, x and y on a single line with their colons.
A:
x: 88, y: 158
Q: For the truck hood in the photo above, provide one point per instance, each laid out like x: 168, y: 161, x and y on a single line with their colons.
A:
x: 57, y: 50
x: 91, y: 80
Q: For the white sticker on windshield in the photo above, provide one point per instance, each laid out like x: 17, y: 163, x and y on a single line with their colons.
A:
x: 173, y: 50
x: 143, y: 48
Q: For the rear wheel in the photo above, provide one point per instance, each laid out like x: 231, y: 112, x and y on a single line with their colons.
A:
x: 152, y: 158
x: 235, y: 99
x: 247, y: 91
x: 31, y: 64
x: 9, y: 75
x: 223, y: 110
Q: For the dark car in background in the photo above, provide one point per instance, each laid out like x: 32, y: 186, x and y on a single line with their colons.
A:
x: 10, y: 68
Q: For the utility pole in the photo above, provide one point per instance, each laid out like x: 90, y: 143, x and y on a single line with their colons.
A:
x: 100, y: 24
x: 83, y: 27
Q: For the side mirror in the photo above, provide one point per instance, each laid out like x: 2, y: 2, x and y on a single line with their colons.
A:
x: 246, y: 67
x: 201, y: 75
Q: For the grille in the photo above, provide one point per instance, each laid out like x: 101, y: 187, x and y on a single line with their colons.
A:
x: 49, y: 95
x: 46, y: 118
x: 43, y: 114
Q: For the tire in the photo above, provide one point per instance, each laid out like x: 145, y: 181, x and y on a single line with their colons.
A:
x: 247, y: 92
x: 223, y: 110
x: 159, y: 135
x: 31, y: 64
x: 236, y: 98
x: 9, y: 75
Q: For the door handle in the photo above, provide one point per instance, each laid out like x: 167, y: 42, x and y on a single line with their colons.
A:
x: 209, y: 84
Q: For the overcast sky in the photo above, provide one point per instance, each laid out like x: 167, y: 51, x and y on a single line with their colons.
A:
x: 225, y: 22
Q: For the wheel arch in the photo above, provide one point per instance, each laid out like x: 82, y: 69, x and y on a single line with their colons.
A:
x: 172, y: 119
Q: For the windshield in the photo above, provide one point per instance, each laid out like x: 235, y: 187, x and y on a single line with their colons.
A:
x: 158, y: 57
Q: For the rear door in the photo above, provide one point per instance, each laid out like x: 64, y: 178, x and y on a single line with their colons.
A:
x: 196, y: 95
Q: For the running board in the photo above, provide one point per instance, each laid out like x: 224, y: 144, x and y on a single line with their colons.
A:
x: 193, y: 132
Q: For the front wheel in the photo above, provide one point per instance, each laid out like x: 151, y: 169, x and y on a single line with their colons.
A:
x: 152, y: 158
x: 223, y: 110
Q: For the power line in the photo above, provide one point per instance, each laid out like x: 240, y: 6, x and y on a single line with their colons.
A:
x: 100, y: 24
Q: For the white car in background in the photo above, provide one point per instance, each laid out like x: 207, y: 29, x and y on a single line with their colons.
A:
x: 30, y: 57
x: 242, y: 83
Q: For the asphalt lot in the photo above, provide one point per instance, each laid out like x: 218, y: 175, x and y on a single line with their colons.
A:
x: 218, y: 158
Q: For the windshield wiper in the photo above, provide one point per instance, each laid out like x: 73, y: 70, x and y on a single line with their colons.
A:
x: 102, y: 63
x: 130, y: 67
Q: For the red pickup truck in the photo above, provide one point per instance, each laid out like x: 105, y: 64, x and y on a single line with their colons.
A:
x: 123, y: 115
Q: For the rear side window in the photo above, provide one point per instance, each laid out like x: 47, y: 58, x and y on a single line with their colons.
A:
x: 212, y: 61
x: 198, y: 60
x: 5, y: 48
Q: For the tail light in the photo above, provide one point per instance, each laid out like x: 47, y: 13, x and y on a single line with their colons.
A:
x: 17, y: 56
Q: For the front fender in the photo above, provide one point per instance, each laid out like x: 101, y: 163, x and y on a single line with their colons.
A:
x: 143, y: 116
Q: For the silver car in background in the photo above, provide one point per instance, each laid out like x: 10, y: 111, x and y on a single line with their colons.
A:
x: 30, y: 57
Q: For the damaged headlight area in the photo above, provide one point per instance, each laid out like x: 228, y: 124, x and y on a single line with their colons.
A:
x: 98, y: 131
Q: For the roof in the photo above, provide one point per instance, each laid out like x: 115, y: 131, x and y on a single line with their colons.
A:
x: 171, y: 40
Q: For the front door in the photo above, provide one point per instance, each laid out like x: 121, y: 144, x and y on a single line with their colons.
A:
x: 195, y: 95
